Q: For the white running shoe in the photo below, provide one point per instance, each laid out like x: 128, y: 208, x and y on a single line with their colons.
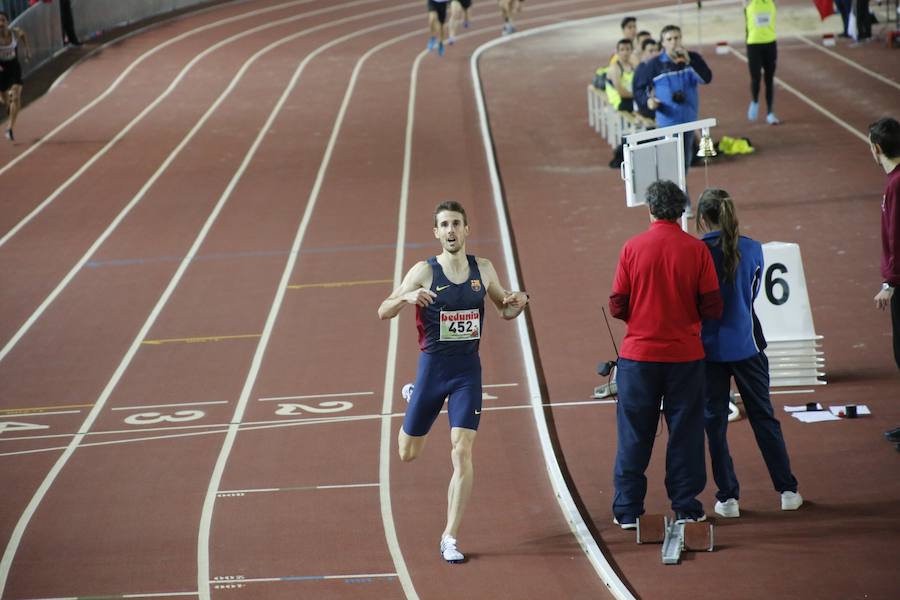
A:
x: 9, y: 135
x: 406, y: 391
x: 728, y: 509
x: 791, y: 500
x: 449, y: 551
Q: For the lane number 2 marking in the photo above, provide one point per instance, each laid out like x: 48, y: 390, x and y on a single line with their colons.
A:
x: 332, y: 406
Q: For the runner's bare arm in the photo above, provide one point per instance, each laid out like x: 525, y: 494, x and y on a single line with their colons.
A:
x: 26, y: 54
x: 510, y: 304
x: 414, y: 289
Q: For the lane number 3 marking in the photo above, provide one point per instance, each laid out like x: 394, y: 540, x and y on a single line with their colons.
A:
x: 151, y: 418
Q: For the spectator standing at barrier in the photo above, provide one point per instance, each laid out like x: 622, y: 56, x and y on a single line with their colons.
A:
x: 437, y: 25
x: 620, y: 77
x: 459, y: 13
x: 665, y: 283
x: 762, y: 54
x: 448, y: 292
x: 734, y: 348
x: 668, y: 84
x: 884, y: 138
x: 649, y: 50
x: 11, y: 38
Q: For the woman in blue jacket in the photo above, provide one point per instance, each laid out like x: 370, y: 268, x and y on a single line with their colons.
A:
x: 734, y: 348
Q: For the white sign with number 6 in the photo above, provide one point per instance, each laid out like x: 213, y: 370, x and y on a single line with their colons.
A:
x: 783, y: 303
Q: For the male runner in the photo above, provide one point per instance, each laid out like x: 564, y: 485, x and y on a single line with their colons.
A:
x: 448, y: 292
x: 437, y: 24
x: 459, y: 13
x: 11, y: 38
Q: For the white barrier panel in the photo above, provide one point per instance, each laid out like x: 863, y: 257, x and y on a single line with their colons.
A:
x: 783, y: 303
x: 93, y: 17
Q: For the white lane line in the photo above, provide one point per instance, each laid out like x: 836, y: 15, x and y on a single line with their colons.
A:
x: 170, y: 405
x: 570, y: 511
x: 288, y: 578
x: 499, y: 385
x: 260, y: 425
x: 116, y: 596
x: 7, y: 416
x: 25, y: 518
x: 846, y: 60
x: 162, y: 168
x: 340, y: 395
x: 298, y: 488
x: 134, y: 64
x: 203, y: 579
x: 864, y: 138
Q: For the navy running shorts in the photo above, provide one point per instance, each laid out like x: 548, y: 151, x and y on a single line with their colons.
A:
x: 440, y: 8
x: 440, y: 376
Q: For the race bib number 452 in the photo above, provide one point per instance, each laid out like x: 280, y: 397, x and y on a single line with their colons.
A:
x: 460, y: 325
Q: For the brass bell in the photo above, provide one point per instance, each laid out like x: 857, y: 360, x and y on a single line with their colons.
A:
x: 706, y: 149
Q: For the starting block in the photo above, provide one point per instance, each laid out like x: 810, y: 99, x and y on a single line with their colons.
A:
x: 675, y: 537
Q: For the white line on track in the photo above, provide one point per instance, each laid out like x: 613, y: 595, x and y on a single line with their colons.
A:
x: 134, y: 64
x: 6, y: 416
x: 24, y: 519
x: 115, y: 597
x: 203, y: 581
x: 312, y: 396
x: 300, y: 488
x: 309, y: 578
x: 32, y: 319
x: 169, y: 405
x: 166, y: 163
x: 219, y: 428
x: 846, y: 60
x: 857, y: 133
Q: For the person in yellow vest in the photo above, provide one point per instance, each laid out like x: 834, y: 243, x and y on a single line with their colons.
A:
x: 619, y: 78
x: 762, y: 54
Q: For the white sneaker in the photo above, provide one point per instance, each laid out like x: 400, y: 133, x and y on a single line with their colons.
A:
x: 728, y: 509
x: 449, y: 551
x: 791, y: 500
x: 406, y: 391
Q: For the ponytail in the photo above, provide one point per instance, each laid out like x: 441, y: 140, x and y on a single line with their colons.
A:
x: 715, y: 209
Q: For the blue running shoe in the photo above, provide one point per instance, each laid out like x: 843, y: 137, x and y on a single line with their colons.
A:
x: 431, y: 42
x: 441, y: 49
x: 771, y: 119
x: 753, y: 111
x: 466, y: 24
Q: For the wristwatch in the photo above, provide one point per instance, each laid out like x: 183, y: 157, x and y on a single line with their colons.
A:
x: 886, y: 286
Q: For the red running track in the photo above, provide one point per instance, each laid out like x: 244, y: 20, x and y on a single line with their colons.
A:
x: 199, y: 401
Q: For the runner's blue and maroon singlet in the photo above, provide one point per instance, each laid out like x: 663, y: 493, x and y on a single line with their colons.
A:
x: 449, y: 366
x: 452, y: 324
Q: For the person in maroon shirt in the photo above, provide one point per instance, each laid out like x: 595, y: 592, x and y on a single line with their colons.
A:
x: 884, y: 138
x: 665, y: 284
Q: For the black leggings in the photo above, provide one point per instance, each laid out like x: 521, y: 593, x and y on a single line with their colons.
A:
x: 762, y: 57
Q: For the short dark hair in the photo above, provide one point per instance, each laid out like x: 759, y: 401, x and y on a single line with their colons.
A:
x: 646, y: 43
x: 886, y: 133
x: 667, y: 29
x: 451, y: 205
x: 3, y: 14
x: 666, y: 200
x: 624, y: 41
x: 628, y: 20
x: 643, y: 32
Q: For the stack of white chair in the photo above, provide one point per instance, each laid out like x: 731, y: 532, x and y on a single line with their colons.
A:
x: 794, y: 349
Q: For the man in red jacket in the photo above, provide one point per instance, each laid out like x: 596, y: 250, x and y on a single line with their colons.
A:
x: 665, y: 284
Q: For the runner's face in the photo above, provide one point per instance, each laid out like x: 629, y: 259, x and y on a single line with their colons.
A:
x: 451, y: 231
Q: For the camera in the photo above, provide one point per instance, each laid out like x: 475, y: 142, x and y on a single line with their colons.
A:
x: 678, y: 97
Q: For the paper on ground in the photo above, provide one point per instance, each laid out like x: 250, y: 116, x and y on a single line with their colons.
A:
x: 814, y: 416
